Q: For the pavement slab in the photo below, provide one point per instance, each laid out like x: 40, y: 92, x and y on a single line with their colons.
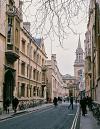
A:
x: 88, y: 122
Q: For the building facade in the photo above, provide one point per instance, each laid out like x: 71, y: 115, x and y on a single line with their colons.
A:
x: 56, y: 87
x: 89, y: 42
x: 71, y: 83
x: 94, y: 56
x: 96, y: 46
x: 88, y: 71
x: 2, y: 45
x: 10, y: 13
x: 22, y: 57
x: 31, y: 70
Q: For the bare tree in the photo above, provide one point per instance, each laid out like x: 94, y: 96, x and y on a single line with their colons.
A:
x: 55, y: 17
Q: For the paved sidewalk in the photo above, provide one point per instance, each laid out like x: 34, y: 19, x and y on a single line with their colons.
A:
x: 88, y: 122
x: 12, y: 114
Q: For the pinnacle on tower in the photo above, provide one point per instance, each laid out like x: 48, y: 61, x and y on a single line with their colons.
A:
x: 79, y: 42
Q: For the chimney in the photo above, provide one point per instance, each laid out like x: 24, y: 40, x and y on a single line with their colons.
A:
x: 27, y: 26
x: 20, y: 9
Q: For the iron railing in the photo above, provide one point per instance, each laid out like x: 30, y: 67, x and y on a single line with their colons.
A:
x: 96, y: 110
x: 24, y: 104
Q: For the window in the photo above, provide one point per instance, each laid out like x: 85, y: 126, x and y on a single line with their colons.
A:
x: 37, y: 58
x: 18, y: 93
x: 30, y: 91
x: 27, y: 70
x: 34, y: 91
x: 9, y: 33
x: 23, y: 90
x: 42, y: 91
x: 34, y: 55
x: 80, y: 72
x: 28, y: 50
x: 40, y: 77
x: 23, y: 68
x: 38, y: 91
x: 16, y: 37
x: 42, y: 62
x: 79, y: 57
x: 30, y: 71
x: 43, y: 77
x: 23, y: 46
x: 34, y: 73
x: 37, y: 76
x: 27, y: 90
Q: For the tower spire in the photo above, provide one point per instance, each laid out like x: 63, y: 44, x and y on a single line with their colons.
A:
x: 79, y: 42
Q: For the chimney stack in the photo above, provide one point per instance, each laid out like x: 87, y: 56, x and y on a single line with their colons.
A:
x: 27, y: 26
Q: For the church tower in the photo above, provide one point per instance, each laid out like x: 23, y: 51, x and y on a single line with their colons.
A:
x: 79, y: 61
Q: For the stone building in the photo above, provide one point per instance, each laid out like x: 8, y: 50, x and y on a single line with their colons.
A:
x: 22, y: 57
x: 92, y: 70
x: 70, y: 81
x: 11, y: 17
x: 31, y: 70
x: 89, y: 43
x: 88, y: 71
x: 96, y: 53
x: 56, y: 87
x: 2, y: 45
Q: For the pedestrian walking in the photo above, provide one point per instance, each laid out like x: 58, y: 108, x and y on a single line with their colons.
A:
x: 6, y: 105
x: 15, y: 102
x: 71, y: 102
x: 55, y: 101
x: 83, y: 104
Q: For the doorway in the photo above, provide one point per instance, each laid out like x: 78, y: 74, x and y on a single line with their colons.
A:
x: 8, y: 87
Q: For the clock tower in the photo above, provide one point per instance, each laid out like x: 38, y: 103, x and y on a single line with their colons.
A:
x: 79, y: 61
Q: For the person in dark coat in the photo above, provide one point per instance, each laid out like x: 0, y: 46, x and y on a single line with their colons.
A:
x: 90, y: 103
x: 83, y: 104
x: 7, y: 104
x: 71, y: 102
x: 15, y: 102
x: 55, y: 101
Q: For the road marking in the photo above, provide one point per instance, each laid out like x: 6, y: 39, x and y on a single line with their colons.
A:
x: 71, y: 114
x: 75, y: 119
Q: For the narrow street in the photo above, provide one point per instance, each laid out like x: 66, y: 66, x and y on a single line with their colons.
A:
x: 49, y: 64
x: 59, y: 117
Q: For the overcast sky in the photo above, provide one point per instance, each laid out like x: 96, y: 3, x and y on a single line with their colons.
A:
x: 65, y: 57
